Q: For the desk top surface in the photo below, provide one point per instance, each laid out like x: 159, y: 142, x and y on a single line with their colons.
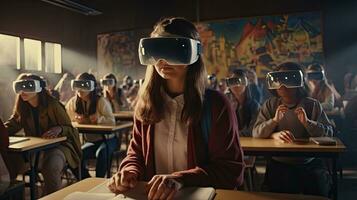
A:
x: 89, y: 183
x: 33, y: 143
x: 99, y: 127
x: 258, y: 144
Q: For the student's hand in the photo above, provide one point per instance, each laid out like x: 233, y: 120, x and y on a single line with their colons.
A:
x: 163, y: 187
x: 122, y: 181
x: 93, y: 119
x: 283, y: 136
x: 80, y: 119
x: 280, y: 112
x: 301, y: 115
x: 52, y: 132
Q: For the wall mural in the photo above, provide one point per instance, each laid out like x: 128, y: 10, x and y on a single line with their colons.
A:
x: 118, y: 53
x: 261, y: 42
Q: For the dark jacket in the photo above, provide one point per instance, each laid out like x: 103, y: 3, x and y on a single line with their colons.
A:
x: 52, y: 115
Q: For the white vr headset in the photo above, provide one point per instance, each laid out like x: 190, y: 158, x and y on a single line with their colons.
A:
x: 28, y: 86
x: 174, y: 50
x: 83, y: 85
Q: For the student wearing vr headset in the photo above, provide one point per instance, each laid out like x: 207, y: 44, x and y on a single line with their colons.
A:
x: 87, y: 107
x: 319, y: 87
x: 169, y: 147
x: 246, y: 107
x: 41, y: 115
x: 112, y: 93
x: 288, y: 116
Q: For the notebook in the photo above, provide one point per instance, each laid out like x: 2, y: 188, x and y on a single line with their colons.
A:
x: 101, y: 192
x: 14, y: 140
x: 323, y: 140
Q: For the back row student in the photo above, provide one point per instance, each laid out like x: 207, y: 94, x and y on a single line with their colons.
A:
x: 288, y: 115
x: 171, y: 147
x: 87, y: 107
x: 41, y: 115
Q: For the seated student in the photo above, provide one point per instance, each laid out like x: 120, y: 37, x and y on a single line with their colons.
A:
x: 112, y: 93
x: 87, y: 107
x: 245, y: 106
x: 319, y: 87
x: 292, y: 114
x: 4, y: 143
x: 170, y: 148
x: 41, y: 115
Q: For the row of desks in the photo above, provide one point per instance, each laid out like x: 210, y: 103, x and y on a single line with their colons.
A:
x: 250, y: 146
x: 88, y: 184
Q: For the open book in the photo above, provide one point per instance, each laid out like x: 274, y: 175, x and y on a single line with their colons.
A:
x: 101, y: 192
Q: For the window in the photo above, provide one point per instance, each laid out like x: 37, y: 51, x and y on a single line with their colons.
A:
x: 9, y: 51
x: 53, y: 58
x: 33, y: 59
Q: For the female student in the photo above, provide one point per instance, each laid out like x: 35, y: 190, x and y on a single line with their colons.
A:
x: 288, y: 115
x: 170, y: 147
x: 87, y: 107
x: 319, y: 87
x: 41, y: 115
x: 112, y: 93
x: 246, y: 107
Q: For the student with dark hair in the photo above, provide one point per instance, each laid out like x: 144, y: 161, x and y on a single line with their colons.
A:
x: 87, y: 107
x: 319, y: 87
x: 115, y: 95
x: 41, y: 115
x: 246, y: 107
x: 288, y: 115
x: 170, y: 147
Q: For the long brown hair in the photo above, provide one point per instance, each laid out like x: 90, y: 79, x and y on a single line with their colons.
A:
x: 322, y: 89
x: 93, y: 96
x: 150, y: 106
x: 21, y: 107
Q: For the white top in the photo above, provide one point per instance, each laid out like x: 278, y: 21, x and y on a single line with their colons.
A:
x: 170, y: 139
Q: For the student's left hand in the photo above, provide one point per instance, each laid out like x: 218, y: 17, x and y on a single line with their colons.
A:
x: 93, y: 118
x: 163, y: 186
x: 52, y: 132
x: 301, y: 114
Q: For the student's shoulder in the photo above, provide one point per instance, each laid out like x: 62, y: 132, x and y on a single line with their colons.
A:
x: 54, y: 103
x: 272, y: 102
x: 311, y: 103
x: 216, y: 97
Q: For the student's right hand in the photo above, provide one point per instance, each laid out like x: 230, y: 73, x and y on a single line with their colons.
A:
x: 283, y: 136
x: 280, y: 112
x: 123, y: 181
x: 79, y: 118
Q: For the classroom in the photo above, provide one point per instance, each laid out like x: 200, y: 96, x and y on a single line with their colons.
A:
x: 178, y: 99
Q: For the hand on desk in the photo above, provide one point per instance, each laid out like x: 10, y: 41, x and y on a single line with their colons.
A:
x: 163, y: 187
x: 52, y: 132
x: 80, y: 119
x: 283, y: 136
x: 93, y: 119
x: 123, y: 181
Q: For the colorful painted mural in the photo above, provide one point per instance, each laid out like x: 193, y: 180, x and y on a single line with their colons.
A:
x: 261, y: 42
x: 118, y: 53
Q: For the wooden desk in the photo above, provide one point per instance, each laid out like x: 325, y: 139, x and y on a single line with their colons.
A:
x: 33, y: 147
x: 124, y: 115
x: 103, y: 130
x: 89, y: 183
x: 271, y: 147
